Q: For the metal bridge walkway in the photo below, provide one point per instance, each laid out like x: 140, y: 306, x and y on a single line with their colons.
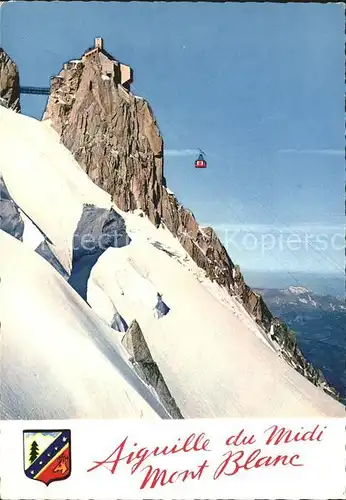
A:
x: 35, y: 90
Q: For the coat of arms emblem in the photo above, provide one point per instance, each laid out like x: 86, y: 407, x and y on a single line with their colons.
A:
x: 47, y: 455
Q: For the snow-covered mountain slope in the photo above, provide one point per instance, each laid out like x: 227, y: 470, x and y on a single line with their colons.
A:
x: 319, y: 323
x: 58, y: 359
x: 212, y: 355
x: 51, y: 197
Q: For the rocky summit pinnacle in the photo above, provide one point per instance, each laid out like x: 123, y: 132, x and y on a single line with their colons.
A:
x: 114, y: 137
x: 9, y: 82
x: 111, y: 133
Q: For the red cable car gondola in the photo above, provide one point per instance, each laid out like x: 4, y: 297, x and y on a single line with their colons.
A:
x: 200, y: 162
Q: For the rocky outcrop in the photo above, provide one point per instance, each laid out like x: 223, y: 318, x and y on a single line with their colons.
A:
x: 115, y: 138
x: 112, y: 134
x: 202, y: 244
x: 97, y: 230
x: 9, y: 82
x: 291, y: 352
x: 253, y: 301
x: 279, y: 333
x: 135, y: 344
x: 10, y: 218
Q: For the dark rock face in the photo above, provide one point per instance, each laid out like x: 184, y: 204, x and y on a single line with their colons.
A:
x: 9, y: 82
x: 202, y: 244
x: 97, y: 230
x: 118, y: 323
x: 115, y: 138
x: 135, y: 344
x: 45, y: 250
x: 161, y: 308
x: 10, y: 219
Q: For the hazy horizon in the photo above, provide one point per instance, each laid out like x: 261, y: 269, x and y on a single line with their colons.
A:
x: 323, y: 284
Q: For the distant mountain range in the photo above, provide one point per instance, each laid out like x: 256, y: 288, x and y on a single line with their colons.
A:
x: 322, y: 283
x: 320, y: 324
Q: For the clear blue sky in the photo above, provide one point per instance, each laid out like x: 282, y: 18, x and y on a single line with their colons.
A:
x: 259, y: 87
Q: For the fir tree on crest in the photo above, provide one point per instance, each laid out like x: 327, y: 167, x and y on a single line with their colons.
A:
x: 33, y: 451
